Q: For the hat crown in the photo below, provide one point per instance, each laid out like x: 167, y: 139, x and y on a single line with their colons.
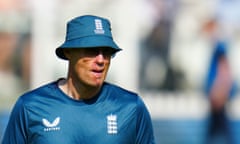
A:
x: 87, y: 31
x: 88, y: 25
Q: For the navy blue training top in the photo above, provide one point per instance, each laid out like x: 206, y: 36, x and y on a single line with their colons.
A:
x: 48, y: 116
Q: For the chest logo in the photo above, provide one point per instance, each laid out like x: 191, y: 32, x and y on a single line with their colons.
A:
x: 112, y: 126
x: 51, y: 126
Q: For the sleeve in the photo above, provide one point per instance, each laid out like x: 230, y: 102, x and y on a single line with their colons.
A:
x: 16, y: 130
x: 145, y: 133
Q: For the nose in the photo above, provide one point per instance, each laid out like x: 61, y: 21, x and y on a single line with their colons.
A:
x: 100, y: 58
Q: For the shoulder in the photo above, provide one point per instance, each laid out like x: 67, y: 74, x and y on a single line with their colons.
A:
x: 119, y: 90
x: 37, y: 94
x: 122, y: 94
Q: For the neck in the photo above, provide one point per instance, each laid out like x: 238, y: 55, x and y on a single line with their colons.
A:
x: 77, y: 90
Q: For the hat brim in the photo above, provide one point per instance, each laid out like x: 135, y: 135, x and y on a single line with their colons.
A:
x: 87, y: 42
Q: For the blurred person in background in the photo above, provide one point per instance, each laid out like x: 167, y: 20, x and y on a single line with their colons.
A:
x: 155, y: 51
x: 11, y: 82
x: 81, y: 108
x: 220, y: 88
x: 14, y: 63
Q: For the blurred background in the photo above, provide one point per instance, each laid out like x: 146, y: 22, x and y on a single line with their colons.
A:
x: 172, y: 56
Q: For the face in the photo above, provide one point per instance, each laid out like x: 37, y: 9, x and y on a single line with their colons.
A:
x: 89, y: 66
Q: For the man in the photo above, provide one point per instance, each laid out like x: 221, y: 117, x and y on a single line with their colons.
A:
x: 220, y: 88
x: 82, y: 108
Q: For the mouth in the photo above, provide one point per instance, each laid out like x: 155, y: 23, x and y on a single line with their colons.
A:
x: 98, y: 73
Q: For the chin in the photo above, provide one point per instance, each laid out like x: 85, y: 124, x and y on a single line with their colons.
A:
x: 97, y: 83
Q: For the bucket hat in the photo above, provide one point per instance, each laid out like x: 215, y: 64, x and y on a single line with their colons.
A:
x: 87, y: 31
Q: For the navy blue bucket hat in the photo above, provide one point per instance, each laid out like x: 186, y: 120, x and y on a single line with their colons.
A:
x: 87, y: 32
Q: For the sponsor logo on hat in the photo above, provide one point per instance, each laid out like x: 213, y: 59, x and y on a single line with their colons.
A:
x: 99, y: 27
